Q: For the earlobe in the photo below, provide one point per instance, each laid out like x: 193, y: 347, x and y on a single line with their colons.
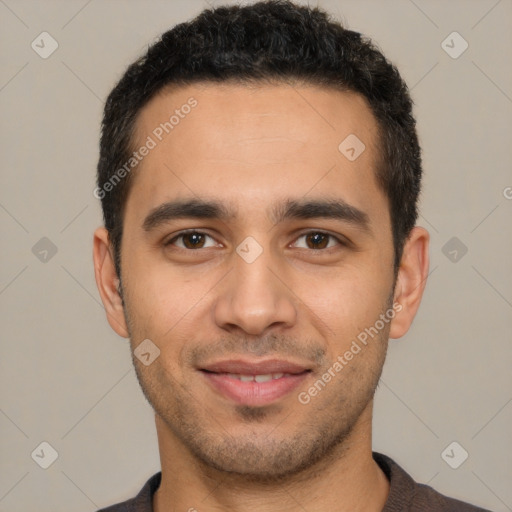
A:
x: 411, y: 280
x: 107, y: 282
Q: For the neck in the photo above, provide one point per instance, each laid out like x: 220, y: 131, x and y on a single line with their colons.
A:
x: 348, y: 480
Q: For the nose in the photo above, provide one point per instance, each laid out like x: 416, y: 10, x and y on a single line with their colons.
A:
x: 253, y: 298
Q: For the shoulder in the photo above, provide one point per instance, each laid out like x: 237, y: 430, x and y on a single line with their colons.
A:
x: 427, y: 498
x: 407, y: 495
x: 143, y: 502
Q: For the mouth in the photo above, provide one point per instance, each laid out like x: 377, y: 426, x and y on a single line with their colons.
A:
x: 255, y: 383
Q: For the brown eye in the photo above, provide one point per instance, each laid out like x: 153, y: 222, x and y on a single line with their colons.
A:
x: 318, y: 240
x: 190, y: 240
x: 193, y: 240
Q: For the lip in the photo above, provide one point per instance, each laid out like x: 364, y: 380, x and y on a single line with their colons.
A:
x: 245, y: 367
x: 254, y: 393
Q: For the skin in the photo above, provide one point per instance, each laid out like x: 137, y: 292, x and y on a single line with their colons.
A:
x: 301, y: 300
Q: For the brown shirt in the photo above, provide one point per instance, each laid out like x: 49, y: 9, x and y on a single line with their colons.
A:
x: 405, y: 495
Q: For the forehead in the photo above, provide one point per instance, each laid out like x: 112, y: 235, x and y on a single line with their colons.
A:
x: 247, y: 143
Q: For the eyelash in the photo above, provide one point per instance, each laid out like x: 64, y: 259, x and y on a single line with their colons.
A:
x: 193, y: 231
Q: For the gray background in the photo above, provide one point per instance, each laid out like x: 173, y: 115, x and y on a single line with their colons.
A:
x: 67, y: 379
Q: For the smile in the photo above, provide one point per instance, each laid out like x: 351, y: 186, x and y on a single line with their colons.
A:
x: 254, y: 383
x: 257, y: 378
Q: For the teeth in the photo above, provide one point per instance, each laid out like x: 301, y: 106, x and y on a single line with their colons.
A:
x: 257, y: 378
x: 263, y: 378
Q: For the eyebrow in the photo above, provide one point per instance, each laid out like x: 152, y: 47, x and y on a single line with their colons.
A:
x: 186, y: 209
x: 336, y: 209
x: 290, y: 209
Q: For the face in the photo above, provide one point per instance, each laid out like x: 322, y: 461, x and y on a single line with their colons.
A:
x: 255, y: 256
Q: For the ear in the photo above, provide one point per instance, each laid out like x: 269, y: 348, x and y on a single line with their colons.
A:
x: 107, y: 282
x: 411, y: 281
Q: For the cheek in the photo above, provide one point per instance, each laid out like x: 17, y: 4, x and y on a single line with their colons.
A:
x: 163, y: 299
x: 148, y: 297
x: 345, y: 303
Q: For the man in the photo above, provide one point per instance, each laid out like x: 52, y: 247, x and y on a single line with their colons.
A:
x: 259, y: 176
